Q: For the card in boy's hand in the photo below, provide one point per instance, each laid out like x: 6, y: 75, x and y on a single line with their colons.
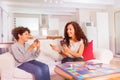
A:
x: 36, y: 40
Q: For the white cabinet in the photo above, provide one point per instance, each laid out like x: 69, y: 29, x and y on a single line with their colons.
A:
x: 0, y: 26
x: 103, y: 29
x: 92, y: 35
x: 4, y: 27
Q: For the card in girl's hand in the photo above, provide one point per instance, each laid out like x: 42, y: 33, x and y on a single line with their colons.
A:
x: 63, y: 42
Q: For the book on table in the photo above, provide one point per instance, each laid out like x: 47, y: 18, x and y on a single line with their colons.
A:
x: 83, y: 71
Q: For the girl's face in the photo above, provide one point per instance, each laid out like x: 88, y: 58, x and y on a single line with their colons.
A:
x: 70, y: 31
x: 24, y: 37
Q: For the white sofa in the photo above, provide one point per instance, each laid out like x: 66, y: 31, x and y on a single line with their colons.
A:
x: 9, y: 72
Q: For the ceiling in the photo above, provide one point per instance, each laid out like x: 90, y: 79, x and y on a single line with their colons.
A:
x: 61, y: 7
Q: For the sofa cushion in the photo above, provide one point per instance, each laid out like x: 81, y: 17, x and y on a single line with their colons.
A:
x: 6, y: 66
x: 48, y: 51
x: 103, y: 55
x: 19, y: 73
x: 88, y: 51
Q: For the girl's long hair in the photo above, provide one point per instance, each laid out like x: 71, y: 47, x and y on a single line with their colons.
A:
x: 78, y: 33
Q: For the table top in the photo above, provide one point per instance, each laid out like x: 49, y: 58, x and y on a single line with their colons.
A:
x: 79, y: 72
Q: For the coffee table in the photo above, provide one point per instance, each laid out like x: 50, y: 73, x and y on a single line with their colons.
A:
x: 70, y: 76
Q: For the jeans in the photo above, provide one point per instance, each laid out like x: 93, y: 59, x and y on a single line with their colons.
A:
x: 38, y: 69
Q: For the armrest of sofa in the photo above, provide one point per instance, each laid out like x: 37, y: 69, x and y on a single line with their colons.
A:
x: 6, y: 66
x: 103, y: 55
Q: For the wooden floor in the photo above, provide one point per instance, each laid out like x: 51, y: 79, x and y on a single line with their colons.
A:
x: 56, y: 77
x: 115, y: 62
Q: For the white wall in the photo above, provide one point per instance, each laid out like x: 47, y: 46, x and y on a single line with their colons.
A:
x: 62, y: 20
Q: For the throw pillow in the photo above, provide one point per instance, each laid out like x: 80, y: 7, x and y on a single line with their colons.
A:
x: 88, y: 51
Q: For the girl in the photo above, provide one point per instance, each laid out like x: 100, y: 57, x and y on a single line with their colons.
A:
x: 73, y: 44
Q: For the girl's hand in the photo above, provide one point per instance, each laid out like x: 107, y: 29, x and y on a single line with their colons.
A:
x: 55, y: 48
x: 65, y: 49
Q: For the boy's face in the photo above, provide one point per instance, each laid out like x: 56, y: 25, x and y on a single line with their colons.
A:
x: 24, y: 37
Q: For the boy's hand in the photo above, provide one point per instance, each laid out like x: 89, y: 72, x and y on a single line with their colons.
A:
x: 36, y: 41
